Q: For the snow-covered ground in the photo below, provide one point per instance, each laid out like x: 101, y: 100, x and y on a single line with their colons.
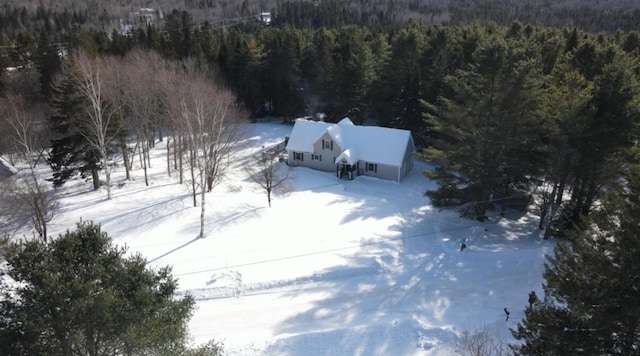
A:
x: 335, y: 267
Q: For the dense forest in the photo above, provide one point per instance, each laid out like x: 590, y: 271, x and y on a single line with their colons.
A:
x: 519, y: 103
x: 55, y: 16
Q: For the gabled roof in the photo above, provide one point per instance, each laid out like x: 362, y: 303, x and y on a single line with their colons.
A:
x: 6, y: 169
x: 359, y: 143
x: 305, y: 133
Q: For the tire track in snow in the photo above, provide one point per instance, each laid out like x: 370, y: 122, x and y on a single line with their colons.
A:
x: 231, y: 286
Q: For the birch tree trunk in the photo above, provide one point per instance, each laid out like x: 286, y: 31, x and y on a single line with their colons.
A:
x: 209, y: 124
x: 98, y: 124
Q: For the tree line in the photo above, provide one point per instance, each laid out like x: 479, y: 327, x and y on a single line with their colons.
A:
x: 591, y: 15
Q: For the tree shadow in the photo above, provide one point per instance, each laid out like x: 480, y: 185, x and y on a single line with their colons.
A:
x: 408, y: 294
x: 370, y: 311
x: 149, y: 214
x: 174, y: 250
x: 392, y: 296
x: 224, y: 220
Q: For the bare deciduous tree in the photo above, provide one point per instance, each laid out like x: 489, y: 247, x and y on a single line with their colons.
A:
x: 268, y: 174
x: 26, y: 132
x: 483, y: 343
x: 171, y: 83
x: 101, y: 112
x: 143, y: 94
x: 212, y: 128
x: 117, y: 89
x: 28, y: 200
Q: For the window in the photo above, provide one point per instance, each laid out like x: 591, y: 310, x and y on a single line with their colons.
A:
x: 372, y: 167
x: 298, y: 156
x: 315, y: 157
x: 327, y: 145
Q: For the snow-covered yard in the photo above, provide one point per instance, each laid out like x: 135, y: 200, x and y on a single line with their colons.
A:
x: 335, y: 267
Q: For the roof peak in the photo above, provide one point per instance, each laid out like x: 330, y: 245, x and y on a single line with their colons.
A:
x: 346, y: 121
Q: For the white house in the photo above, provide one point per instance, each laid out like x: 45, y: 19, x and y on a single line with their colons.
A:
x: 351, y: 150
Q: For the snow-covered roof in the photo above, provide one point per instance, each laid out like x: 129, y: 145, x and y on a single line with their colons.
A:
x: 346, y: 157
x: 305, y: 133
x: 359, y: 143
x: 6, y: 169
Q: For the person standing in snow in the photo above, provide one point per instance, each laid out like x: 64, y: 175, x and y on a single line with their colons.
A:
x: 533, y: 298
x: 506, y: 312
x: 463, y: 245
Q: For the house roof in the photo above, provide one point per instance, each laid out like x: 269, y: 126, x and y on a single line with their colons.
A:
x: 359, y: 143
x: 6, y: 169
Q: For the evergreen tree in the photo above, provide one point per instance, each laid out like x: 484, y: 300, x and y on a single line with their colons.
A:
x: 604, y: 129
x: 608, y: 131
x: 244, y: 61
x: 4, y: 63
x: 178, y: 26
x: 282, y: 88
x: 591, y: 289
x: 631, y: 43
x: 443, y: 56
x: 208, y: 46
x: 567, y: 105
x: 550, y: 46
x: 48, y: 62
x: 147, y: 37
x: 23, y: 50
x: 71, y: 153
x: 400, y: 86
x: 118, y: 43
x: 80, y: 294
x: 79, y: 38
x: 355, y: 73
x: 319, y: 71
x: 484, y: 133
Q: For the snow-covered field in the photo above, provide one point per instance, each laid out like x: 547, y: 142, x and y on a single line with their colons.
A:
x: 335, y: 267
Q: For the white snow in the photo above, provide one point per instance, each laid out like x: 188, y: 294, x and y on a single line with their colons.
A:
x: 6, y: 169
x: 335, y: 267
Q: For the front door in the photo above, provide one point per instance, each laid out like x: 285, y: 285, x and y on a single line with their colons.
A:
x: 346, y: 171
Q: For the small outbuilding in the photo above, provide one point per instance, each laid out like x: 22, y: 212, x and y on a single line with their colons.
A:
x: 351, y: 150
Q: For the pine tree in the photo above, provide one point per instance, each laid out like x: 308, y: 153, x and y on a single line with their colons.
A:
x: 485, y: 129
x: 71, y: 153
x: 603, y: 129
x: 591, y: 290
x: 48, y: 62
x: 567, y: 105
x: 607, y: 131
x: 79, y: 38
x: 244, y: 61
x: 319, y: 71
x: 24, y: 48
x: 281, y: 87
x: 355, y: 73
x: 443, y: 56
x: 400, y: 86
x: 178, y: 26
x: 80, y: 294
